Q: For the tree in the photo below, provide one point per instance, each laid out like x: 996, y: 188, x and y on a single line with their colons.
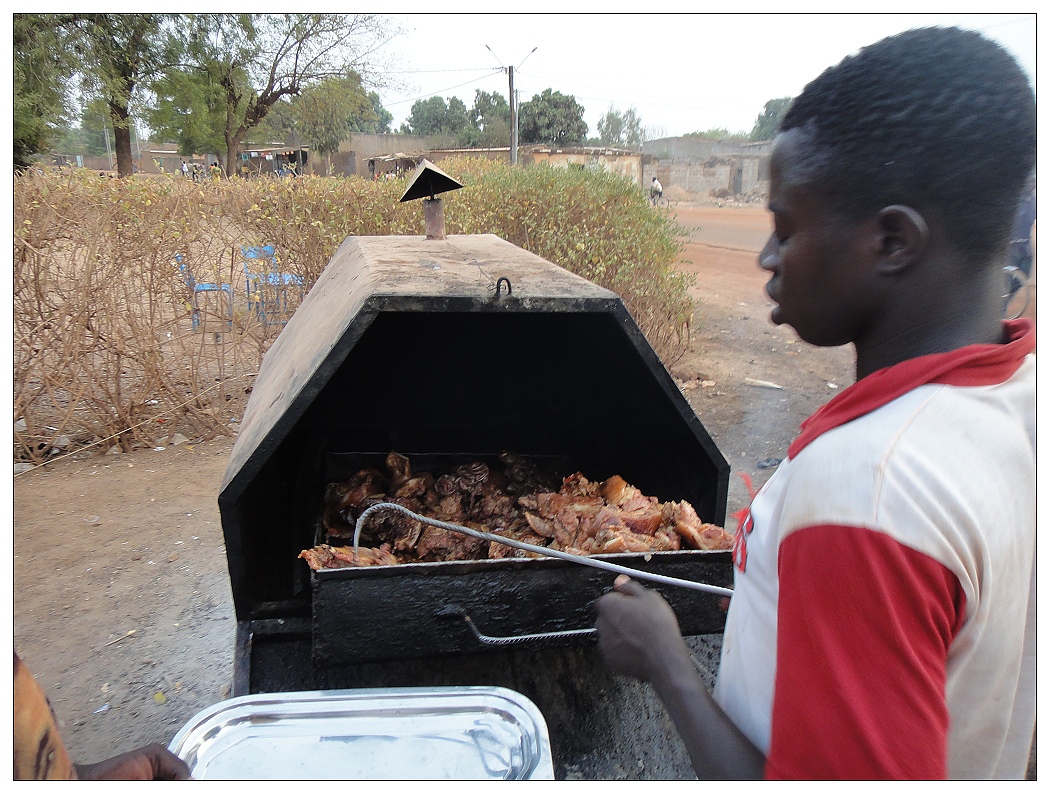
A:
x: 489, y: 109
x: 324, y: 112
x: 436, y: 116
x: 89, y: 138
x: 768, y: 120
x: 620, y: 129
x: 42, y: 64
x: 189, y: 108
x: 256, y: 60
x: 551, y: 117
x: 323, y: 116
x: 377, y: 121
x: 118, y: 53
x: 489, y: 121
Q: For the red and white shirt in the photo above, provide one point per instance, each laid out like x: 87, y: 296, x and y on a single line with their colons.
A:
x: 883, y: 617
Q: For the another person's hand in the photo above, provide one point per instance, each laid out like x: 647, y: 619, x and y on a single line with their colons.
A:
x: 637, y: 630
x: 152, y: 762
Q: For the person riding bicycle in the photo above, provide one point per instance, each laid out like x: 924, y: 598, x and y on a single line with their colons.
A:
x: 656, y: 190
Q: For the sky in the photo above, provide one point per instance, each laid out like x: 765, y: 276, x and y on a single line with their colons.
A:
x: 681, y: 72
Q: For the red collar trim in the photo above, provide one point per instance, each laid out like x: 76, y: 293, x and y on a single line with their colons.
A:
x: 973, y: 365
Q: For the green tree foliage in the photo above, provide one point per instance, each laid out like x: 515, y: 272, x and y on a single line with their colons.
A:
x: 377, y: 121
x: 436, y: 116
x: 620, y: 129
x: 324, y: 112
x: 256, y: 60
x: 551, y: 117
x: 189, y: 108
x: 118, y: 53
x: 42, y: 64
x: 489, y: 119
x: 488, y: 108
x: 769, y: 119
x: 89, y: 138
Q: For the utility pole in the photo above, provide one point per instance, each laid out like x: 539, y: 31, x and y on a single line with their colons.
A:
x: 513, y: 104
x: 109, y: 150
x: 513, y: 120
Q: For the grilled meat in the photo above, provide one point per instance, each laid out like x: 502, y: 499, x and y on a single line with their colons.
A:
x: 520, y: 502
x: 325, y: 556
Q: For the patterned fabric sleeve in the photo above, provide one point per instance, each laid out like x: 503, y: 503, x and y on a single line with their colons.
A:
x: 38, y: 750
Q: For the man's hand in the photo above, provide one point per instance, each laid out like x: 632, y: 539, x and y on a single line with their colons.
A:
x: 639, y: 636
x: 152, y: 762
x: 638, y: 632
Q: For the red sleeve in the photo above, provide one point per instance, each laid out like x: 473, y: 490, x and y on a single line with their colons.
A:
x: 863, y: 630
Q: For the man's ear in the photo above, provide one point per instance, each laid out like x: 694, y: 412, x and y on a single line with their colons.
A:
x: 903, y: 238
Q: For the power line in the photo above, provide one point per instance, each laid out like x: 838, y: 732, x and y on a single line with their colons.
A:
x: 442, y: 90
x: 436, y: 71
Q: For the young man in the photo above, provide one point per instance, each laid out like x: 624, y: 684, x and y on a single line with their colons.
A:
x: 883, y: 617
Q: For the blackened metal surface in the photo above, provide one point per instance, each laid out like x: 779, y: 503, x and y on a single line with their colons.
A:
x: 427, y: 181
x: 427, y: 602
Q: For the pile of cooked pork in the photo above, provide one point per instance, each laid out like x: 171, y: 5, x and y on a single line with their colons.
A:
x: 516, y: 501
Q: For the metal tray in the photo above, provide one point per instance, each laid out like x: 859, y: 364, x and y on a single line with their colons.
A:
x: 406, y: 733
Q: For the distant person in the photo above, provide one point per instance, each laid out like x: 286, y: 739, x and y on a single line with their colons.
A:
x: 185, y: 169
x: 883, y: 617
x: 656, y: 190
x: 40, y: 754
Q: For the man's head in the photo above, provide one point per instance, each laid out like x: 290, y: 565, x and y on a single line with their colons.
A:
x: 939, y: 119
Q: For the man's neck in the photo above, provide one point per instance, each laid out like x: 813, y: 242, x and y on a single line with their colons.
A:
x: 933, y: 324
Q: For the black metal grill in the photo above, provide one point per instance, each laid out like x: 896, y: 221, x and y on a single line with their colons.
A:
x: 406, y: 344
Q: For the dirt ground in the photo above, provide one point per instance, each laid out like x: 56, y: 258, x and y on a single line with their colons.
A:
x: 122, y: 602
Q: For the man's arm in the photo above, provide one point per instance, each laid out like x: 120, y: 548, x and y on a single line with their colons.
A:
x: 639, y: 636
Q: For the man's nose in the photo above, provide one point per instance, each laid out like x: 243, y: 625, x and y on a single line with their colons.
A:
x: 768, y: 258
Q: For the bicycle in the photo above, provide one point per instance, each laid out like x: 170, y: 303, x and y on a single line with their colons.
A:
x: 1017, y: 292
x: 660, y: 202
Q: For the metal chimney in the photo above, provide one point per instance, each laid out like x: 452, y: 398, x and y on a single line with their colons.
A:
x: 427, y: 181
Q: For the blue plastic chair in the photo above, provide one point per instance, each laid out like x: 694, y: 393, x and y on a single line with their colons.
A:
x: 266, y: 286
x: 197, y: 288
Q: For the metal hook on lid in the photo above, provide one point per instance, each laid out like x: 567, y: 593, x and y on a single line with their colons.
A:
x: 499, y: 282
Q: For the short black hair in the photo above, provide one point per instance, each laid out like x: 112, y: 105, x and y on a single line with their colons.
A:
x: 939, y: 119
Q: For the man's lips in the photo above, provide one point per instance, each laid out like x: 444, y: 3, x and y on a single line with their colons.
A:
x: 771, y: 289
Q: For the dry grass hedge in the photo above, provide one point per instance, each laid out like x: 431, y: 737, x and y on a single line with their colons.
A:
x: 109, y: 350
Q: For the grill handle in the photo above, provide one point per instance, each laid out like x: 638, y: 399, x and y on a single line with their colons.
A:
x: 486, y: 639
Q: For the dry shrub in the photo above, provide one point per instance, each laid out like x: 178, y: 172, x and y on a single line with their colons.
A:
x: 112, y: 348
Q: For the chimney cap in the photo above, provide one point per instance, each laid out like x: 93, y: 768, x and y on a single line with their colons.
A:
x: 427, y: 181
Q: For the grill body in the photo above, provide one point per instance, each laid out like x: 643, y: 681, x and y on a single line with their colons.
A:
x: 408, y: 344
